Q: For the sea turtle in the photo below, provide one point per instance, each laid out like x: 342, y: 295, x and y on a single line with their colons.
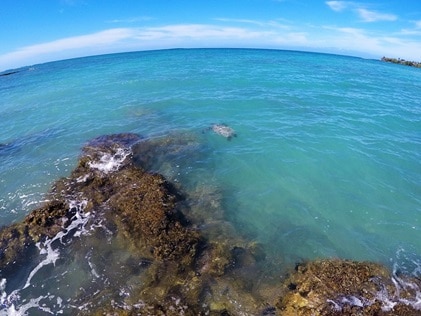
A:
x: 223, y: 130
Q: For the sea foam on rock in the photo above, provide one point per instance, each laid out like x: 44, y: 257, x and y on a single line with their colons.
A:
x: 184, y: 258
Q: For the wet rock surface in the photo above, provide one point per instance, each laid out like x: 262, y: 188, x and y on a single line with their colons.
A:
x: 342, y: 287
x: 152, y: 252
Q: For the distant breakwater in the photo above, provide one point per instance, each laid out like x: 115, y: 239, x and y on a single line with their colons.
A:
x: 402, y: 62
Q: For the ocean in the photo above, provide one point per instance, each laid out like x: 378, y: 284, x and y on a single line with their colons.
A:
x: 326, y: 162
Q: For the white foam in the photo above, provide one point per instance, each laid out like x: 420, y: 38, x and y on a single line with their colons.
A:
x: 336, y: 306
x: 9, y: 303
x: 410, y: 263
x: 388, y: 300
x: 23, y: 308
x: 92, y: 266
x: 52, y: 255
x: 2, y: 285
x: 110, y: 163
x: 352, y: 300
x: 397, y: 294
x: 405, y: 285
x: 82, y: 178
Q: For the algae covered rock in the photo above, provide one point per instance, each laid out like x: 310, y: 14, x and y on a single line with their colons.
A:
x: 15, y: 247
x: 342, y: 287
x: 48, y: 220
x: 146, y: 206
x: 141, y: 204
x: 137, y: 206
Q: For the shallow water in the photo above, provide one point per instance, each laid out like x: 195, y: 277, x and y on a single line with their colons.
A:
x: 327, y: 161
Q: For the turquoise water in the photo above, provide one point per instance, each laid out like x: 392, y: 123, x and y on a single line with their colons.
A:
x: 327, y: 162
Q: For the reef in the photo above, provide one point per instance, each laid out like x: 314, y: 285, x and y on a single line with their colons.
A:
x: 174, y: 251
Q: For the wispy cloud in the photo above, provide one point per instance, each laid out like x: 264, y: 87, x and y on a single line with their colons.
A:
x: 100, y: 38
x: 270, y: 23
x: 72, y: 2
x: 76, y: 43
x: 394, y: 46
x: 131, y: 20
x: 364, y: 14
x: 372, y: 16
x: 413, y: 31
x: 245, y: 21
x: 338, y: 5
x: 198, y: 32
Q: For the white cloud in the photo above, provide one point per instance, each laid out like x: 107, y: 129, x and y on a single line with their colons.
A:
x: 95, y: 40
x: 199, y: 31
x: 131, y: 20
x: 414, y: 31
x: 365, y: 14
x: 126, y: 39
x: 246, y: 21
x: 372, y: 16
x: 338, y: 5
x: 378, y: 45
x: 270, y: 23
x: 410, y: 32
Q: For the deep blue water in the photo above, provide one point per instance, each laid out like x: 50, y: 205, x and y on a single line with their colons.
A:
x: 327, y: 162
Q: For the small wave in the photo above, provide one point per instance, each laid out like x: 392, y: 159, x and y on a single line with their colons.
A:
x: 387, y: 298
x: 110, y: 162
x: 23, y: 308
x: 51, y: 253
x: 79, y: 220
x: 402, y: 288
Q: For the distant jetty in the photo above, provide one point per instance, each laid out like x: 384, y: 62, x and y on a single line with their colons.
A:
x: 402, y: 62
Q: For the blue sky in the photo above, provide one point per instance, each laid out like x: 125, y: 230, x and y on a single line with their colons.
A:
x: 36, y: 31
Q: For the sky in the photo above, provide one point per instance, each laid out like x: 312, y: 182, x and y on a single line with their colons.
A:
x: 38, y: 31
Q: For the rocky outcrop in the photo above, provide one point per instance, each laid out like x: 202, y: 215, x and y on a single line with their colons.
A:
x: 401, y: 62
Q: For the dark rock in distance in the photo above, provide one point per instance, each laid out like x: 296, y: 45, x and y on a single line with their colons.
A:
x: 8, y: 73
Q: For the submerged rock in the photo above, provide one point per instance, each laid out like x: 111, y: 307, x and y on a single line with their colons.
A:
x: 223, y: 130
x: 167, y: 154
